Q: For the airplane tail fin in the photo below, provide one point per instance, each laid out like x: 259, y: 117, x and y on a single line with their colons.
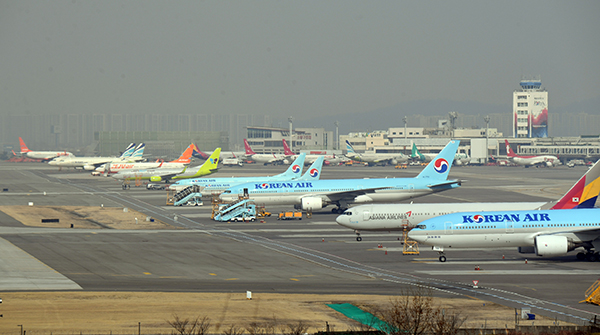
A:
x: 249, y: 150
x: 186, y: 155
x: 210, y: 166
x: 286, y: 149
x: 314, y: 170
x: 295, y: 169
x: 584, y: 193
x: 128, y: 151
x: 137, y: 153
x: 416, y: 154
x: 509, y: 150
x: 439, y: 167
x: 24, y: 148
x: 349, y: 147
x: 199, y: 154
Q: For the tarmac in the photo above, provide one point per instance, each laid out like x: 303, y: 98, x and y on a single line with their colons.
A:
x: 309, y: 256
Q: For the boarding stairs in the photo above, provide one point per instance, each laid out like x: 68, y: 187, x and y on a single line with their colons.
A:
x: 190, y: 194
x: 241, y: 210
x: 592, y: 295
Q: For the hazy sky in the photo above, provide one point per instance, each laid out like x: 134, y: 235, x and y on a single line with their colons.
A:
x: 300, y: 58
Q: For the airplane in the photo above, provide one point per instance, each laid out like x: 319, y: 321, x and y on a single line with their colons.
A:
x: 318, y: 194
x: 374, y: 158
x: 397, y: 217
x: 459, y: 158
x: 220, y: 184
x: 311, y: 174
x: 543, y: 232
x: 167, y: 174
x: 311, y: 158
x: 91, y: 163
x: 224, y: 154
x: 265, y: 158
x: 527, y: 161
x: 43, y: 155
x: 179, y: 163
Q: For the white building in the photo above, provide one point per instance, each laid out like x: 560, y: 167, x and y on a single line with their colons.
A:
x: 530, y: 109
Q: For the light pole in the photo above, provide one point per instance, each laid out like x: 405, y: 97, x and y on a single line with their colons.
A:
x: 487, y: 136
x: 21, y: 328
x: 337, y: 135
x: 291, y: 120
x: 405, y: 119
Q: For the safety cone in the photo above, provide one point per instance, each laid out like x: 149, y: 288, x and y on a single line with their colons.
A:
x: 379, y: 245
x: 502, y: 256
x: 323, y: 240
x: 386, y: 252
x: 525, y: 260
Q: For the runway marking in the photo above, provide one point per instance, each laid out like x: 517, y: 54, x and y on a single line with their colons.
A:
x: 512, y: 272
x: 147, y: 273
x: 212, y: 274
x: 294, y: 279
x: 232, y: 279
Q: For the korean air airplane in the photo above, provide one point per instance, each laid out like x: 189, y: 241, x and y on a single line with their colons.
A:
x: 213, y: 186
x: 397, y: 217
x: 318, y: 194
x: 543, y: 232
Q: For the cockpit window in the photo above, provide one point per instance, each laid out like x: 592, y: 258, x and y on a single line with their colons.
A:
x: 421, y: 226
x: 348, y: 213
x: 227, y: 191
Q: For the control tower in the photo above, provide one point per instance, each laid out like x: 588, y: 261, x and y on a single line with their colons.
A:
x: 530, y: 109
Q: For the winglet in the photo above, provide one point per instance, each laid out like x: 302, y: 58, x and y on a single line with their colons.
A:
x: 314, y: 170
x: 24, y: 148
x: 295, y: 169
x: 509, y: 150
x: 249, y: 150
x: 584, y: 193
x: 286, y: 149
x: 439, y: 167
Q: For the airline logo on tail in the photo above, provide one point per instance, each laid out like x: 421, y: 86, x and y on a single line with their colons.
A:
x: 314, y: 172
x: 296, y: 168
x: 349, y: 146
x: 286, y: 149
x: 441, y: 165
x: 249, y: 150
x: 509, y: 150
x: 185, y: 156
x: 24, y: 148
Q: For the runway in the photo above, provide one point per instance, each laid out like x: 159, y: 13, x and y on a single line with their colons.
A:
x: 309, y: 256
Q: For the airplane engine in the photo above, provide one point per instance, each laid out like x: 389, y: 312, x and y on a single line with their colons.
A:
x: 287, y: 162
x: 155, y: 179
x: 552, y: 245
x: 89, y: 167
x: 312, y: 203
x: 549, y: 163
x: 394, y: 162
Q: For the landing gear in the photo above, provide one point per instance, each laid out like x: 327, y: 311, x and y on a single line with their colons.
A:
x: 358, y: 238
x: 338, y: 210
x: 442, y: 258
x: 441, y: 253
x: 592, y: 256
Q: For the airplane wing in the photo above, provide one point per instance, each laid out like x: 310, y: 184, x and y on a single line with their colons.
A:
x: 341, y: 195
x: 445, y: 184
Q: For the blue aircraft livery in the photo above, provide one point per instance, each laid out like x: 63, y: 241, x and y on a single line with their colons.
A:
x: 543, y: 232
x: 488, y: 218
x: 316, y: 194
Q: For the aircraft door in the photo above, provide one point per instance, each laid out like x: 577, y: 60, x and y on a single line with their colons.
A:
x: 366, y: 216
x: 245, y: 193
x: 510, y: 227
x: 448, y: 227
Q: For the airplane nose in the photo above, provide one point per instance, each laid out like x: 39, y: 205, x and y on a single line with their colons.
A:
x: 342, y: 219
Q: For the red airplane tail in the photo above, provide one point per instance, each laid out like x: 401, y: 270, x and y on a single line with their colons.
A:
x: 24, y: 148
x: 249, y: 150
x: 286, y: 149
x: 509, y: 150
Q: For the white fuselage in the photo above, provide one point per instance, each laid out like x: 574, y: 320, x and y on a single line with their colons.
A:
x: 535, y: 160
x: 395, y: 217
x: 116, y: 167
x: 46, y: 154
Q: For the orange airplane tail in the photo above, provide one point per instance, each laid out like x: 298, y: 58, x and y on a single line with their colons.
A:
x: 185, y: 156
x: 24, y: 148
